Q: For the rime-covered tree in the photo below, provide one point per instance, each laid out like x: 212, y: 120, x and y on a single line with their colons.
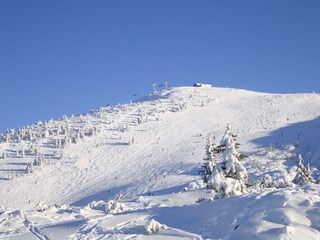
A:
x: 228, y: 133
x: 231, y: 164
x: 230, y: 178
x: 224, y: 186
x: 303, y: 174
x: 209, y: 160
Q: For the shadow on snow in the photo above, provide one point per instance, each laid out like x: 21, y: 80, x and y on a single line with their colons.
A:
x: 305, y: 135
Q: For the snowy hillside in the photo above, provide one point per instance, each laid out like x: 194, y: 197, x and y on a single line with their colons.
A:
x: 108, y: 173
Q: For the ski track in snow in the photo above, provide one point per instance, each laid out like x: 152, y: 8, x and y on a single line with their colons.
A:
x: 161, y: 162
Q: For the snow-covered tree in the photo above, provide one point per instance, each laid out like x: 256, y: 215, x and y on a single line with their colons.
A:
x: 303, y: 174
x: 228, y: 133
x: 209, y: 160
x: 231, y: 164
x: 266, y: 181
x: 215, y: 180
x: 29, y: 168
x: 224, y: 186
x: 38, y: 161
x: 230, y: 178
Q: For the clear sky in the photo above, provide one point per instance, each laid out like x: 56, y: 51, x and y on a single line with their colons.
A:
x: 68, y: 56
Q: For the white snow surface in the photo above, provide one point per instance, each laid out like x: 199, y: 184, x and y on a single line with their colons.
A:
x: 152, y: 169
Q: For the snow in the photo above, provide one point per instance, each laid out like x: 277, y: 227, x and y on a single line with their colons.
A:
x: 74, y: 192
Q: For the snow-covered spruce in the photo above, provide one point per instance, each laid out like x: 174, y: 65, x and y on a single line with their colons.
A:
x: 209, y: 160
x: 224, y: 186
x: 231, y: 177
x: 303, y: 174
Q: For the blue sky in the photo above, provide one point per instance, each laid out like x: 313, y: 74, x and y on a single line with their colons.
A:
x: 64, y: 57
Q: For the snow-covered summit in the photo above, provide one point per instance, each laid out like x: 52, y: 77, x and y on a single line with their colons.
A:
x: 149, y: 152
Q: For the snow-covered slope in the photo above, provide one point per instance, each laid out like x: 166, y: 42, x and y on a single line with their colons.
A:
x: 148, y: 153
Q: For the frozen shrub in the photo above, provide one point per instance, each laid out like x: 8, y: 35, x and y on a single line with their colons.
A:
x: 281, y: 182
x: 115, y: 206
x: 153, y: 227
x: 195, y: 185
x: 98, y: 205
x: 266, y: 181
x: 42, y: 206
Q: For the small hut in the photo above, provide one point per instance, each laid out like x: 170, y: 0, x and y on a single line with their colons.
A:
x: 203, y: 85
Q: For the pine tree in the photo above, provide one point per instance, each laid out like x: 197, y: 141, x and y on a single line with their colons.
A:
x: 303, y: 174
x: 210, y: 160
x: 231, y: 177
x: 215, y: 180
x: 231, y: 162
x: 228, y: 133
